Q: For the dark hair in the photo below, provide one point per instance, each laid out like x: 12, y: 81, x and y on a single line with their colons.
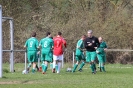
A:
x: 84, y: 36
x: 33, y: 34
x: 59, y: 33
x: 51, y: 37
x: 48, y: 33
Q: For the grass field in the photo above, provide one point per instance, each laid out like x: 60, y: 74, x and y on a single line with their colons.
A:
x: 117, y: 76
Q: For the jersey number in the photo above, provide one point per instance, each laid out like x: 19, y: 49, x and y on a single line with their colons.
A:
x: 45, y: 44
x: 31, y: 43
x: 57, y: 43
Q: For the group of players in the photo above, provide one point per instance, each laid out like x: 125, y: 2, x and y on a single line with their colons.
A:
x: 93, y: 47
x: 51, y: 50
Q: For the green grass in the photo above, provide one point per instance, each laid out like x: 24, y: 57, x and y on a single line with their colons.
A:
x: 117, y: 76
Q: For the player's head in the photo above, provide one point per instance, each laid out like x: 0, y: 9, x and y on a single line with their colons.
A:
x: 48, y: 34
x: 100, y: 39
x: 83, y: 37
x: 59, y: 33
x: 51, y: 37
x: 33, y: 34
x: 89, y: 33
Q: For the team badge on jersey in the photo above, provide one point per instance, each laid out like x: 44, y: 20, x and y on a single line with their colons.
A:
x: 93, y: 41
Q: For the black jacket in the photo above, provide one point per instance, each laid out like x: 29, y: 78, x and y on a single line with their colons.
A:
x: 94, y: 41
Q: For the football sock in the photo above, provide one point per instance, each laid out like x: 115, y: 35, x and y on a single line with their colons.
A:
x: 33, y: 70
x: 59, y: 66
x: 56, y: 67
x: 29, y: 65
x: 103, y: 69
x: 51, y: 65
x: 54, y: 64
x: 81, y: 65
x: 45, y: 68
x: 92, y: 67
x: 75, y: 66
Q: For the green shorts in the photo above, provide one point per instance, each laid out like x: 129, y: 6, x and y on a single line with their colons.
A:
x: 37, y: 56
x: 101, y: 58
x: 90, y: 56
x: 80, y: 57
x: 46, y: 56
x: 31, y: 56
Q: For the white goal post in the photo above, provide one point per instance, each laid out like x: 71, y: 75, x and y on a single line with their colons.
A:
x: 1, y: 52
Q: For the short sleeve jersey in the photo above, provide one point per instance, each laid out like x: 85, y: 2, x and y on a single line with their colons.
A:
x: 101, y: 47
x: 46, y: 44
x: 59, y: 42
x: 31, y: 44
x: 80, y: 44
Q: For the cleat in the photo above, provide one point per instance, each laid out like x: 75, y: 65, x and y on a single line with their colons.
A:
x: 57, y: 72
x: 73, y: 71
x: 53, y: 70
x: 104, y: 71
x: 43, y: 72
x: 40, y: 69
x: 28, y: 69
x: 80, y: 70
x: 93, y: 73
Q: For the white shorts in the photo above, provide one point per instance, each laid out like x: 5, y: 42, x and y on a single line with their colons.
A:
x: 60, y: 57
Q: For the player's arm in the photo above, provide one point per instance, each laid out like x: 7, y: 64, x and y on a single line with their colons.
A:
x: 106, y: 47
x: 86, y: 44
x: 79, y: 46
x: 64, y: 43
x: 26, y: 44
x: 97, y: 43
x: 52, y: 45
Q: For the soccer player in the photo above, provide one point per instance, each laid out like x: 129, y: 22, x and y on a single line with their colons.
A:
x: 59, y: 46
x: 46, y: 45
x: 101, y: 55
x: 32, y: 47
x: 79, y: 54
x: 91, y: 43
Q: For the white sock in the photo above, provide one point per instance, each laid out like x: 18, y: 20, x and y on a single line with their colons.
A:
x: 59, y: 65
x: 53, y: 64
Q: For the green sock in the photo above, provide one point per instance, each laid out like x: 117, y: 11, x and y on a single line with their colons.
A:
x: 103, y: 69
x: 75, y: 66
x: 92, y: 67
x: 29, y: 65
x: 45, y: 68
x: 33, y: 70
x: 81, y: 65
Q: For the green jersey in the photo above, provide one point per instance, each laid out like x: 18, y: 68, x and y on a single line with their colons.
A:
x: 80, y: 45
x: 46, y: 44
x: 31, y: 44
x: 100, y: 49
